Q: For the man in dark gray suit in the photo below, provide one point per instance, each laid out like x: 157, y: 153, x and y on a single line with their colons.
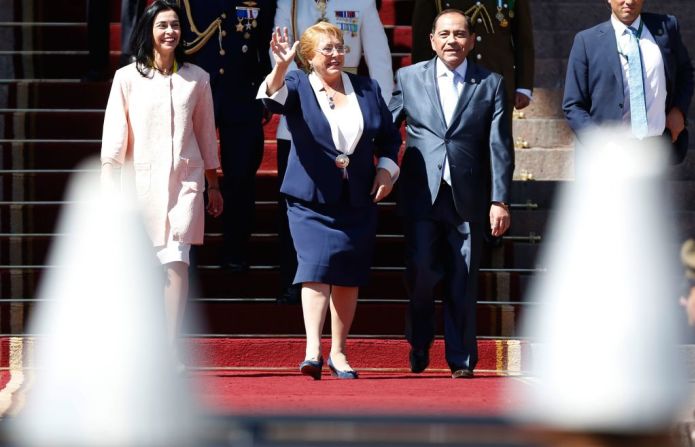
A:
x: 457, y: 131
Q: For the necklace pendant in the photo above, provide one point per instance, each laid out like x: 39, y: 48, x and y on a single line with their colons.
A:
x: 342, y: 161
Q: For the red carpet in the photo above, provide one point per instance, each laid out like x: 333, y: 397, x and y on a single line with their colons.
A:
x: 364, y: 353
x: 377, y: 393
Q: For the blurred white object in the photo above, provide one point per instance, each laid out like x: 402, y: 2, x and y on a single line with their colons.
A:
x: 606, y: 328
x: 105, y: 371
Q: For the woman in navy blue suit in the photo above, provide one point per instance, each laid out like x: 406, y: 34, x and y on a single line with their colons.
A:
x: 339, y: 124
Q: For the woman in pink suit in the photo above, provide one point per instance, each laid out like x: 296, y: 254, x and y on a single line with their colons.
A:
x: 159, y: 126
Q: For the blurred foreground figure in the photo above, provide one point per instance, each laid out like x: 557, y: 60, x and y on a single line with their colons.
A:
x: 104, y: 371
x: 605, y: 352
x: 688, y: 295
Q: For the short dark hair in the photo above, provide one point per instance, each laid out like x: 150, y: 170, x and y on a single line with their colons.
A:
x: 142, y: 42
x: 469, y: 22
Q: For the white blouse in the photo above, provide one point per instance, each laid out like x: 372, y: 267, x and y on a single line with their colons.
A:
x: 346, y: 122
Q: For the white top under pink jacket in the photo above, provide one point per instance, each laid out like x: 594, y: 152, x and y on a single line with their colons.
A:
x: 163, y: 127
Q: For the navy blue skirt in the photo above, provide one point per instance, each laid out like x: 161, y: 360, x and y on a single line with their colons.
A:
x: 334, y: 242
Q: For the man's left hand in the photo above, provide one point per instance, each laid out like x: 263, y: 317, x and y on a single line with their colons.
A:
x: 499, y: 219
x: 521, y: 101
x: 675, y: 122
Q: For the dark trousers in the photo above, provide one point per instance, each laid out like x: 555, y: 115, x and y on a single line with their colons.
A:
x: 444, y: 248
x: 131, y: 10
x: 241, y: 149
x: 98, y: 34
x: 288, y: 255
x: 98, y: 20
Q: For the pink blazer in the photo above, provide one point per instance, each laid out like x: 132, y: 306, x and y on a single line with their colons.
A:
x: 162, y: 130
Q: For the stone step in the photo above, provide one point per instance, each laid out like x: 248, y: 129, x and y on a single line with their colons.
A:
x: 267, y: 318
x: 72, y: 65
x: 47, y: 94
x: 41, y: 36
x: 264, y: 249
x: 42, y: 217
x: 282, y: 354
x: 39, y: 185
x: 264, y: 282
x: 543, y: 132
x: 542, y: 163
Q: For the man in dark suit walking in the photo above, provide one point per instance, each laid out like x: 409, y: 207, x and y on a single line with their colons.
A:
x: 633, y: 70
x: 230, y: 39
x: 457, y: 131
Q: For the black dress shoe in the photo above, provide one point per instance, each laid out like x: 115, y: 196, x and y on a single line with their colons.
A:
x: 461, y: 373
x: 419, y: 360
x: 291, y: 295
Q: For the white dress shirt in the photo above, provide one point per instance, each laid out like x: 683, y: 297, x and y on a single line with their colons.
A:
x: 653, y: 73
x: 346, y: 122
x: 448, y: 98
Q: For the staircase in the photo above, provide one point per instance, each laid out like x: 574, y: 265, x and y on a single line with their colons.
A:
x: 49, y: 122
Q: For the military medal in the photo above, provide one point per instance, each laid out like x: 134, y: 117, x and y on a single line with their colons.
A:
x: 246, y: 18
x: 321, y: 6
x: 511, y: 9
x: 500, y: 15
x: 342, y: 161
x: 348, y: 22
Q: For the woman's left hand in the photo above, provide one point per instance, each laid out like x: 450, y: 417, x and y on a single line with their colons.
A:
x: 215, y: 202
x: 383, y: 184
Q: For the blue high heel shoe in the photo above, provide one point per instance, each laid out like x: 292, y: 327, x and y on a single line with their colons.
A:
x: 312, y: 368
x: 341, y: 374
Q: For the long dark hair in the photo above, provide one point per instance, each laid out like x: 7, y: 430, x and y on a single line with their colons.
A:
x: 142, y: 41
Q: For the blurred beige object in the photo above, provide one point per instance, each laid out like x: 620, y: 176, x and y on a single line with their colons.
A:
x: 605, y: 330
x: 105, y: 375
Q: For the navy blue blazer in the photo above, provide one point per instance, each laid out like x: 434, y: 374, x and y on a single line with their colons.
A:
x: 594, y: 81
x: 311, y: 174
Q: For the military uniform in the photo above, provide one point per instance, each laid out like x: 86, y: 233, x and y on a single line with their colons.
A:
x: 504, y: 37
x: 230, y: 40
x: 363, y: 33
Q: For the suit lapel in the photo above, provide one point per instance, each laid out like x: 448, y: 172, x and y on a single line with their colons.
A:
x: 470, y: 84
x: 429, y: 80
x: 608, y: 47
x: 313, y: 114
x: 658, y: 30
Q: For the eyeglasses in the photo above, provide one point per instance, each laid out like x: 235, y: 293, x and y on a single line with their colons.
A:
x: 328, y: 49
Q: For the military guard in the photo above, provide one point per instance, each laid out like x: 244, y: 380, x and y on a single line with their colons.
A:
x: 504, y: 40
x: 230, y: 40
x: 363, y: 33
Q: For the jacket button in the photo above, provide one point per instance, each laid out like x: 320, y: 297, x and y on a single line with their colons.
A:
x: 224, y: 33
x: 439, y: 166
x: 221, y: 71
x: 620, y: 105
